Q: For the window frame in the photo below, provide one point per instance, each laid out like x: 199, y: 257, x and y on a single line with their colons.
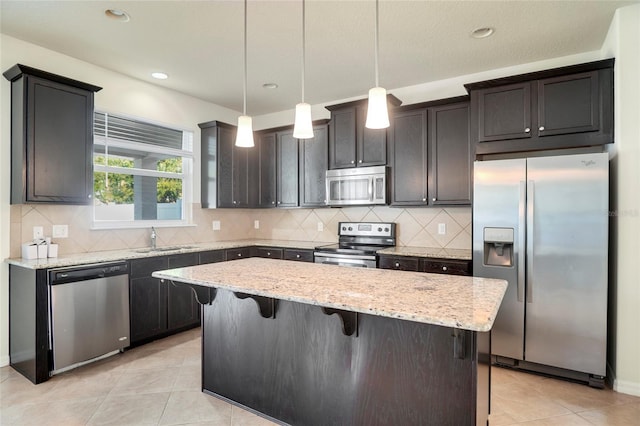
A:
x: 186, y: 176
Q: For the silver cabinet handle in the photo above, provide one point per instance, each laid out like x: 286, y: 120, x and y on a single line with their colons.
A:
x: 433, y: 199
x: 273, y: 202
x: 268, y: 253
x: 527, y: 130
x: 521, y: 241
x: 424, y: 199
x: 352, y: 161
x: 239, y: 254
x: 89, y: 196
x: 541, y: 128
x: 360, y: 161
x: 397, y: 264
x: 297, y: 256
x: 444, y: 268
x: 530, y: 233
x: 234, y: 202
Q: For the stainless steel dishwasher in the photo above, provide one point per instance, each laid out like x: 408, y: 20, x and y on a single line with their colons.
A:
x: 89, y: 312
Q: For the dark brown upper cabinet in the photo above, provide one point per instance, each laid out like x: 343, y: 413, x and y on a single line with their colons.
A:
x: 351, y: 144
x: 313, y: 167
x: 287, y: 167
x: 51, y: 137
x: 264, y: 172
x: 430, y: 154
x: 224, y: 167
x: 565, y: 107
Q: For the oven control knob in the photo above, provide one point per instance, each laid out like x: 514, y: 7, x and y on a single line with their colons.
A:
x: 350, y: 229
x: 379, y: 229
x: 386, y: 229
x: 344, y: 228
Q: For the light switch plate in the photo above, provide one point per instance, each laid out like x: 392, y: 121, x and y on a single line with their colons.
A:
x: 216, y: 225
x: 442, y: 229
x: 320, y: 226
x: 256, y: 224
x: 38, y: 232
x: 60, y: 231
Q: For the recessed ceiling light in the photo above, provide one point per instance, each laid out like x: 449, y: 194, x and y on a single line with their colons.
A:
x: 159, y: 75
x: 117, y: 14
x: 482, y: 32
x: 270, y: 85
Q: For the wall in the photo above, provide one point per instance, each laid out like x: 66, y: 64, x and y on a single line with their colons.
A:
x: 124, y: 95
x: 624, y: 296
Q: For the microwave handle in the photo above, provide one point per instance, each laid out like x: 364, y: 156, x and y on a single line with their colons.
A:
x: 371, y: 186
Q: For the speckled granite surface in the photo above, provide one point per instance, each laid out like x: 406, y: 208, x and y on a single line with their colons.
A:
x: 428, y: 252
x: 462, y: 302
x: 115, y: 255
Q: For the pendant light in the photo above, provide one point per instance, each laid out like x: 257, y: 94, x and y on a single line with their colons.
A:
x: 244, y: 135
x: 302, y: 128
x: 377, y: 114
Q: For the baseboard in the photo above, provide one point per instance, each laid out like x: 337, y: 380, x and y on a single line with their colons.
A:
x: 623, y: 386
x: 4, y: 361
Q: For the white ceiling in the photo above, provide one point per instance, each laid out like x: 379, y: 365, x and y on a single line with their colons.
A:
x: 199, y: 43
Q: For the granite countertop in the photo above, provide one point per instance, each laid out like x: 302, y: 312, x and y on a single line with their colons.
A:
x: 139, y: 253
x: 439, y: 253
x: 468, y: 303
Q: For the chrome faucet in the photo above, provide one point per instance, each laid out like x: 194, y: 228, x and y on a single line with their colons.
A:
x: 153, y: 237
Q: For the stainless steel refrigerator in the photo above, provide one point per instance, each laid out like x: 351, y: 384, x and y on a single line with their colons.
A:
x: 542, y: 224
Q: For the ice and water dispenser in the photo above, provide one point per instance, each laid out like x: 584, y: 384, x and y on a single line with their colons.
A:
x: 498, y: 246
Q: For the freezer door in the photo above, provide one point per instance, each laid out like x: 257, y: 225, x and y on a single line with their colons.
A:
x: 567, y: 241
x: 499, y: 203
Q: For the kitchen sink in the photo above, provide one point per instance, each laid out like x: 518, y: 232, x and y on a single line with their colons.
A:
x: 162, y: 249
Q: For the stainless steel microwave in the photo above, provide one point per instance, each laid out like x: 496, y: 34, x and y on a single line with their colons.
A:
x: 357, y: 186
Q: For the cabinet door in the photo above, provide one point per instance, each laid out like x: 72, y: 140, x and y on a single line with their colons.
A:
x: 237, y: 253
x: 342, y: 138
x: 400, y: 263
x: 225, y: 163
x: 267, y: 252
x: 568, y: 104
x: 504, y: 112
x: 212, y: 256
x: 451, y: 155
x: 182, y: 308
x: 265, y: 167
x: 371, y: 143
x: 313, y: 168
x: 59, y: 143
x: 210, y: 173
x: 287, y: 164
x: 409, y: 158
x: 241, y: 161
x: 447, y: 266
x: 148, y: 299
x: 298, y: 255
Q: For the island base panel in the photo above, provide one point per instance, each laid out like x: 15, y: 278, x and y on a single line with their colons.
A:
x: 300, y: 368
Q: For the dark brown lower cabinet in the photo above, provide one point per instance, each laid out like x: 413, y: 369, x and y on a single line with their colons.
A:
x: 298, y: 255
x: 182, y: 308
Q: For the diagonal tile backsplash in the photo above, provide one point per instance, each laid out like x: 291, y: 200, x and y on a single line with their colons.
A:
x: 416, y: 226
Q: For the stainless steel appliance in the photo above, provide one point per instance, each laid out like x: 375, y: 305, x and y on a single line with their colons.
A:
x: 89, y: 312
x: 357, y: 244
x: 542, y: 225
x: 357, y: 186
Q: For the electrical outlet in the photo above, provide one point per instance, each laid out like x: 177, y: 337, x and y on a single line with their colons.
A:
x: 256, y: 224
x: 320, y: 226
x: 38, y: 232
x: 442, y: 229
x: 60, y: 231
x: 216, y: 225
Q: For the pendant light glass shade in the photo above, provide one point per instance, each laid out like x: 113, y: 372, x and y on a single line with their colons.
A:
x: 244, y: 137
x: 377, y: 113
x: 302, y: 128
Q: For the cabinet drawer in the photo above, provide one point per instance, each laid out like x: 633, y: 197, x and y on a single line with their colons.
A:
x: 237, y: 253
x: 452, y: 267
x: 213, y: 256
x: 183, y: 260
x: 400, y: 263
x: 267, y: 252
x: 299, y: 255
x: 144, y: 267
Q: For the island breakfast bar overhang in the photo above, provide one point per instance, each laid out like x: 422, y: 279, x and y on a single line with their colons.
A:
x: 312, y: 344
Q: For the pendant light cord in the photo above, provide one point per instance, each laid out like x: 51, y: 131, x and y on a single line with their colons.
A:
x: 303, y: 47
x: 244, y: 86
x: 377, y: 44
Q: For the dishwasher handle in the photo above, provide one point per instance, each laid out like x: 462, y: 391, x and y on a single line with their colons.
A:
x: 75, y: 274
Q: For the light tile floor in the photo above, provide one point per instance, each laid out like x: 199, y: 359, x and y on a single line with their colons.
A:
x: 159, y: 384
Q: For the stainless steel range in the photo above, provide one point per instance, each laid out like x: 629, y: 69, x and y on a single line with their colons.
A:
x: 357, y: 244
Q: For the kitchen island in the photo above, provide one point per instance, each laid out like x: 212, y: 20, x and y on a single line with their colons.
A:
x: 311, y: 344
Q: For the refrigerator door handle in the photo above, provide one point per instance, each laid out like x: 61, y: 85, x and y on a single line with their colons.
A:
x: 521, y: 240
x: 530, y: 232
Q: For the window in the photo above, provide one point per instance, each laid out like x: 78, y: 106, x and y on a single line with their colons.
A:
x: 142, y: 173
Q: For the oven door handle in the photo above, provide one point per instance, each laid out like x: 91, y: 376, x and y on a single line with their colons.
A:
x: 342, y: 264
x: 344, y: 256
